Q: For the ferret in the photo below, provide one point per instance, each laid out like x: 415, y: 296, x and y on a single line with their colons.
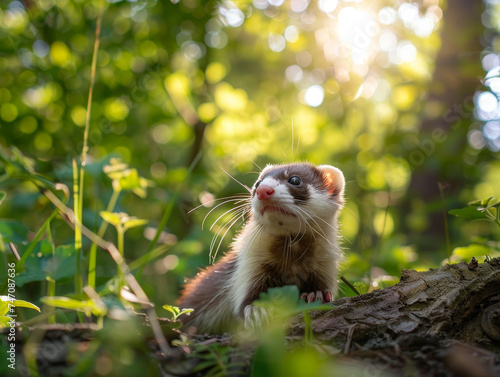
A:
x: 290, y: 238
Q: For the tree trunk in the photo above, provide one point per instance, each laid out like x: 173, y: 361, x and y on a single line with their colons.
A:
x: 447, y: 113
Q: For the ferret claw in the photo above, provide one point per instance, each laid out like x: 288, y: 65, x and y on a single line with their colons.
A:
x: 321, y: 296
x: 255, y: 317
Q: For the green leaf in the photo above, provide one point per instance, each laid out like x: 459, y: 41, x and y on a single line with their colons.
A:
x: 129, y: 179
x: 118, y: 219
x: 88, y: 307
x: 470, y: 213
x: 42, y: 263
x: 5, y: 321
x: 204, y: 365
x: 13, y: 231
x: 111, y: 217
x: 283, y: 299
x: 132, y: 222
x: 186, y: 311
x: 172, y: 309
x: 25, y: 304
x: 481, y: 202
x: 6, y: 303
x: 316, y: 305
x: 115, y: 168
x: 474, y: 250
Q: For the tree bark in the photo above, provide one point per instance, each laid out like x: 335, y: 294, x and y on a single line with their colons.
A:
x: 441, y: 322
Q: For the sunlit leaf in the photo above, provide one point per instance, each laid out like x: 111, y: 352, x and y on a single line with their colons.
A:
x: 474, y: 250
x: 4, y: 305
x: 5, y: 321
x: 88, y: 307
x: 134, y: 222
x: 112, y: 218
x: 470, y: 213
x: 172, y: 309
x: 481, y: 202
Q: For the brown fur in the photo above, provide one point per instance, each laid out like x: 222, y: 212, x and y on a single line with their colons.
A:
x: 220, y: 293
x: 199, y: 291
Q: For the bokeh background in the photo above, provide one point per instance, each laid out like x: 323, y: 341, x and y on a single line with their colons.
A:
x: 402, y: 96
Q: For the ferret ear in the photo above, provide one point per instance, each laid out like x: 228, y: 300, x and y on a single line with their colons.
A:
x: 334, y: 180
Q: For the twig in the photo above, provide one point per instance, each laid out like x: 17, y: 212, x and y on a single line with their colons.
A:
x: 14, y: 250
x: 69, y: 217
x: 349, y: 338
x: 350, y: 285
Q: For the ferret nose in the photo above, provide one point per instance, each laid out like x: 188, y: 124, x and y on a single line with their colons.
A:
x: 264, y: 192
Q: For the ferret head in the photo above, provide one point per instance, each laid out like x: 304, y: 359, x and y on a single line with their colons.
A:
x: 294, y: 197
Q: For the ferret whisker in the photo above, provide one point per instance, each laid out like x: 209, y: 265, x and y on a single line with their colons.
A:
x: 222, y: 238
x: 236, y: 208
x: 235, y: 200
x: 234, y: 179
x: 206, y: 204
x: 284, y: 154
x: 324, y: 221
x: 257, y: 165
x: 227, y: 227
x: 284, y: 241
x: 235, y: 213
x: 321, y: 234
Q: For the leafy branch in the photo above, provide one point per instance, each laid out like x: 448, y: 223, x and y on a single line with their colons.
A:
x: 482, y: 209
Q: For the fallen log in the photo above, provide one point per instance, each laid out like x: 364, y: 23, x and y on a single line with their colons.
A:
x: 442, y: 322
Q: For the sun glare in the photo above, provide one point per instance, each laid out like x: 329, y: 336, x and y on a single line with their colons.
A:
x: 353, y: 40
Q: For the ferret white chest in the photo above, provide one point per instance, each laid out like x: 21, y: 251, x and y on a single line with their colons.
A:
x: 291, y: 237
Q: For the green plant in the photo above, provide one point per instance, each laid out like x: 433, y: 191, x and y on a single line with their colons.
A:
x: 122, y: 222
x: 219, y: 360
x: 482, y: 209
x: 7, y: 304
x: 283, y: 303
x: 176, y: 311
x: 123, y: 178
x: 93, y: 306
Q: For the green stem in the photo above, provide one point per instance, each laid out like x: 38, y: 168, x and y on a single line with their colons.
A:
x: 121, y: 236
x: 78, y: 232
x: 51, y: 292
x: 146, y: 258
x: 86, y: 132
x: 33, y: 243
x: 100, y: 233
x: 51, y: 283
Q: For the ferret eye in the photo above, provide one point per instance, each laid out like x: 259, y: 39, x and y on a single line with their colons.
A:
x: 294, y: 181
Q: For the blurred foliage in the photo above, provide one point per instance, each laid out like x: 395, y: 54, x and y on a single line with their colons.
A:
x: 247, y: 84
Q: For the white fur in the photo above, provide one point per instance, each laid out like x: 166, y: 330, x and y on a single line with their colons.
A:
x: 254, y: 241
x: 256, y: 238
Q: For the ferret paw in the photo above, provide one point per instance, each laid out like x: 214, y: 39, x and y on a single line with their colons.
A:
x: 323, y: 296
x: 255, y: 317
